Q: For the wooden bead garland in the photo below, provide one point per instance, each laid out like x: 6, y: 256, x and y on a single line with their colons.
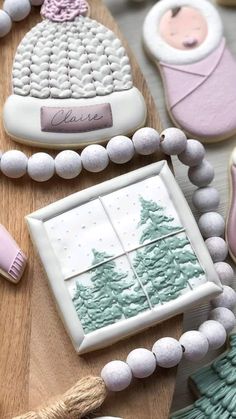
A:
x: 167, y: 352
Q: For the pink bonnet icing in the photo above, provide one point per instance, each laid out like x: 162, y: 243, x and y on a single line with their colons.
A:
x: 64, y: 10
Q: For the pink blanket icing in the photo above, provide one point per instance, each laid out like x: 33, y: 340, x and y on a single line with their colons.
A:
x: 202, y: 96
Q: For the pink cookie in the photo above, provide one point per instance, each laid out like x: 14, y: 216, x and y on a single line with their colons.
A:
x: 12, y: 259
x: 231, y: 221
x: 197, y: 68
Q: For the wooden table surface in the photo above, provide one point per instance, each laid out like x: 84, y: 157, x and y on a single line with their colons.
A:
x: 130, y: 17
x: 37, y: 361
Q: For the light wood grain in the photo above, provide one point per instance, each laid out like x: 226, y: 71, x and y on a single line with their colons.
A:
x: 37, y: 358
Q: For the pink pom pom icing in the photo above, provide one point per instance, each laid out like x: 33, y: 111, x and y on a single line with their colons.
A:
x: 64, y: 10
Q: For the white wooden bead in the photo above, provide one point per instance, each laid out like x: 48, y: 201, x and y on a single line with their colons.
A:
x: 41, y: 167
x: 36, y: 2
x: 206, y: 199
x: 17, y: 9
x: 195, y: 345
x: 173, y: 141
x: 226, y: 299
x: 141, y: 362
x: 120, y: 149
x: 5, y: 23
x: 201, y: 175
x: 117, y: 375
x: 168, y: 352
x: 224, y: 316
x: 146, y: 141
x: 217, y: 248
x: 214, y: 332
x: 211, y: 224
x: 68, y: 164
x: 193, y: 154
x: 14, y: 164
x: 94, y: 158
x: 225, y: 272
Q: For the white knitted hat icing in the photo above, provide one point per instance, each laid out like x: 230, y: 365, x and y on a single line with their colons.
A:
x: 78, y: 59
x: 74, y: 67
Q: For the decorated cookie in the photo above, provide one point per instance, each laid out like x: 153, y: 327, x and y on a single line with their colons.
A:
x: 186, y: 41
x: 231, y: 221
x: 122, y: 256
x: 72, y: 82
x: 12, y: 259
x: 215, y: 385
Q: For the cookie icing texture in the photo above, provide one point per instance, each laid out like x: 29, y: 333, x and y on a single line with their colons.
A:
x: 63, y: 10
x: 231, y: 223
x: 79, y: 59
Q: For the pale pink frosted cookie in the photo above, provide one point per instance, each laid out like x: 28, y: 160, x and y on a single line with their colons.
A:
x: 231, y: 221
x: 12, y: 259
x: 186, y: 40
x: 72, y: 82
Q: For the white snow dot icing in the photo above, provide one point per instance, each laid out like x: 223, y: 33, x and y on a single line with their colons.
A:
x: 79, y: 59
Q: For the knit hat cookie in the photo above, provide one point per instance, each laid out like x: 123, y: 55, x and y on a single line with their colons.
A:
x: 72, y: 82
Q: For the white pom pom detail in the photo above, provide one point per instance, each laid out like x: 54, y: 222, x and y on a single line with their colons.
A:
x: 226, y: 299
x: 168, y: 352
x: 217, y: 248
x: 225, y: 272
x: 141, y: 362
x: 206, y: 199
x: 214, y: 332
x: 94, y: 158
x: 201, y: 175
x: 211, y: 224
x: 146, y: 141
x: 41, y: 167
x: 17, y: 9
x: 14, y: 164
x: 173, y: 141
x: 224, y: 316
x: 195, y: 345
x: 5, y: 23
x: 120, y: 149
x: 68, y: 164
x: 116, y: 375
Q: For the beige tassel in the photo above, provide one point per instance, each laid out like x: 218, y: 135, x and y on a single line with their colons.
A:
x: 86, y: 396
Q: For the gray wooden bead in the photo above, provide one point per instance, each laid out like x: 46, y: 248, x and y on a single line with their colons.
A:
x: 94, y: 158
x: 14, y: 164
x: 206, y: 199
x: 214, y: 332
x: 17, y: 9
x: 217, y: 248
x: 120, y: 149
x: 117, y: 375
x: 224, y: 316
x: 226, y: 299
x: 195, y: 345
x: 201, y: 175
x: 168, y: 352
x: 211, y: 224
x: 5, y: 23
x: 146, y: 141
x: 225, y: 272
x: 173, y: 141
x: 41, y: 167
x: 68, y: 164
x: 193, y: 154
x: 142, y: 362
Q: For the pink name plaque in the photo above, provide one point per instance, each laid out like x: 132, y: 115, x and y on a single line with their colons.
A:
x: 76, y: 119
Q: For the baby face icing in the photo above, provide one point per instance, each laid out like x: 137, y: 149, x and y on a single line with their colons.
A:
x: 183, y: 28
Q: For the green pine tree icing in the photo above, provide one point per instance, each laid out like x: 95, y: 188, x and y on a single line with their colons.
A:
x: 216, y: 384
x: 112, y: 297
x: 163, y: 268
x: 166, y: 266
